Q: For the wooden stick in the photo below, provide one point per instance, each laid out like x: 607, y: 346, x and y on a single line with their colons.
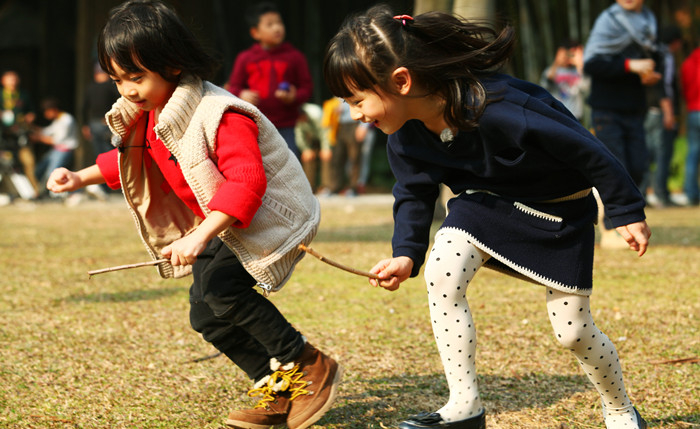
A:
x: 126, y: 267
x: 312, y: 252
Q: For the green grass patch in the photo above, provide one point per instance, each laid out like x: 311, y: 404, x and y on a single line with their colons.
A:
x: 117, y: 351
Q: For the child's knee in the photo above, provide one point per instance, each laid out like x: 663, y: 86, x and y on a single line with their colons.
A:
x: 574, y: 333
x: 572, y: 339
x: 571, y: 319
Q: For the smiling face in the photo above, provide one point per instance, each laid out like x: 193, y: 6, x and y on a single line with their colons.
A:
x: 379, y: 108
x: 147, y: 89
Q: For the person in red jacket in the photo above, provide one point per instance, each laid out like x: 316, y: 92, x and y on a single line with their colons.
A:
x: 272, y: 74
x: 690, y: 82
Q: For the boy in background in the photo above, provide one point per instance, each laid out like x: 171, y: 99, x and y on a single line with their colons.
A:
x: 272, y: 74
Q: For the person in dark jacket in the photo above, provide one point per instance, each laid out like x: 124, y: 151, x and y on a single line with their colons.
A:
x: 622, y: 59
x: 522, y: 168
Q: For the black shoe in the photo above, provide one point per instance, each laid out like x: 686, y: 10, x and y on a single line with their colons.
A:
x: 640, y: 421
x: 433, y: 420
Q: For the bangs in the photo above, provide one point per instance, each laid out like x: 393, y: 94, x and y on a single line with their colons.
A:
x: 115, y: 47
x: 344, y: 71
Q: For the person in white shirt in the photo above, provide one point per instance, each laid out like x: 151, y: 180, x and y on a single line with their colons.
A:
x: 61, y: 134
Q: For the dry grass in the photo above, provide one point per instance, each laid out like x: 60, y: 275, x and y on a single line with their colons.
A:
x: 117, y: 351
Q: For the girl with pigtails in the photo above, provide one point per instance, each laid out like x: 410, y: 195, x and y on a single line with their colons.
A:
x: 522, y: 169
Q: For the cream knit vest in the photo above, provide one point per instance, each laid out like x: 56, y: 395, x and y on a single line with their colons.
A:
x: 188, y: 124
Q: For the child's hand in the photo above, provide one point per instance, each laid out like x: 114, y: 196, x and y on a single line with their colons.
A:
x: 651, y: 78
x: 561, y: 58
x: 250, y: 96
x: 641, y: 66
x: 185, y: 250
x: 308, y: 155
x: 577, y: 58
x: 325, y: 154
x: 63, y: 180
x: 636, y: 235
x: 392, y: 272
x: 287, y: 96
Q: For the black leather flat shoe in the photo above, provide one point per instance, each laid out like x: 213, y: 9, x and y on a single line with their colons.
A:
x: 640, y: 421
x: 433, y: 420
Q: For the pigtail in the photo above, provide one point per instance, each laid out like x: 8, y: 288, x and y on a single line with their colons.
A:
x: 450, y: 56
x: 445, y: 54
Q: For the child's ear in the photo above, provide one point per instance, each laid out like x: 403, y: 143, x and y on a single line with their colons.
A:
x: 401, y: 79
x: 254, y: 33
x: 172, y: 72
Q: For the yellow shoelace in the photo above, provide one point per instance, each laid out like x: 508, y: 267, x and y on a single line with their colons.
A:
x: 268, y: 395
x: 294, y: 383
x: 280, y: 381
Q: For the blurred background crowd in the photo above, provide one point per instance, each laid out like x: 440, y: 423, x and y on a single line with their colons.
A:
x: 55, y: 97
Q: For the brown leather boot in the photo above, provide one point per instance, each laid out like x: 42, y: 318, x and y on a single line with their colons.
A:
x: 272, y: 409
x: 313, y: 386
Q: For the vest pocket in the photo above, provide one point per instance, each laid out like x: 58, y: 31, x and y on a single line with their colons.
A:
x: 278, y: 209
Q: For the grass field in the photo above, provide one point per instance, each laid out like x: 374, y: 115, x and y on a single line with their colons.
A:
x: 116, y: 351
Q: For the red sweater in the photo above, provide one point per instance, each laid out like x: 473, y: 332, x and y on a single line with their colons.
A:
x: 264, y: 70
x: 237, y: 156
x: 690, y: 80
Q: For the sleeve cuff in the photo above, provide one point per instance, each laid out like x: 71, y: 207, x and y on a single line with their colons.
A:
x: 236, y: 201
x: 414, y: 255
x: 626, y: 219
x: 108, y: 163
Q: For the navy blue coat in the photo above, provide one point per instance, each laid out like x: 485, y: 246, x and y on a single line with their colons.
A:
x: 527, y: 149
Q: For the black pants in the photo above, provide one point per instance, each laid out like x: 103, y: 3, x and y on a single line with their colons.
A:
x: 236, y: 319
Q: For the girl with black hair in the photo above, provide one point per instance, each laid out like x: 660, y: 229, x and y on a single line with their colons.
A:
x: 215, y: 190
x: 522, y: 168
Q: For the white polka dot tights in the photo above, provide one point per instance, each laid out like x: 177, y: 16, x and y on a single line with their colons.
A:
x: 574, y: 328
x: 450, y: 267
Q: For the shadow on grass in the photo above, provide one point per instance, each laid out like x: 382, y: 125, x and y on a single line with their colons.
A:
x: 127, y: 296
x: 390, y: 400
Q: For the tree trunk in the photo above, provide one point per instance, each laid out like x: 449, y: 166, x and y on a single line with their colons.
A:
x: 422, y: 6
x: 475, y: 9
x: 528, y: 42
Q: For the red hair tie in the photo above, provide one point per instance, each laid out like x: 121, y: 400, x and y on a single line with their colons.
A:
x: 403, y: 19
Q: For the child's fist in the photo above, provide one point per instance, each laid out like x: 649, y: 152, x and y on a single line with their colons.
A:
x: 62, y: 180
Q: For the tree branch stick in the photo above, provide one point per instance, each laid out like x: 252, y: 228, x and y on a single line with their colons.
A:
x: 126, y: 267
x: 312, y: 252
